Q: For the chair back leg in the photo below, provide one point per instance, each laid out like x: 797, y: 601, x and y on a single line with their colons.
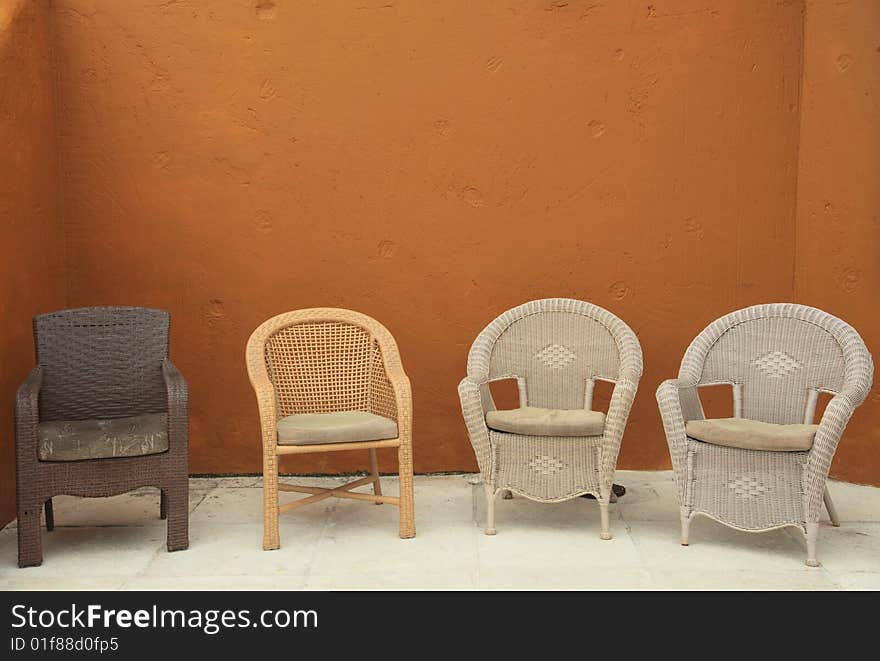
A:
x: 832, y: 510
x: 374, y: 471
x: 50, y: 516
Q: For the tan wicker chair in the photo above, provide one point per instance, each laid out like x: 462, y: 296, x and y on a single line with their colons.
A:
x: 765, y: 468
x: 556, y: 349
x: 328, y: 380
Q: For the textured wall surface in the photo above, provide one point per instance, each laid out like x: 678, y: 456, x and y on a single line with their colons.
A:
x: 429, y: 164
x: 838, y: 205
x: 31, y: 240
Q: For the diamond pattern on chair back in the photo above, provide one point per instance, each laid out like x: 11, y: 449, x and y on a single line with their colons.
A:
x: 556, y: 353
x: 326, y: 367
x: 778, y: 360
x: 101, y: 362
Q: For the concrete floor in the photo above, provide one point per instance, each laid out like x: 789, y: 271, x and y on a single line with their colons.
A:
x: 119, y: 543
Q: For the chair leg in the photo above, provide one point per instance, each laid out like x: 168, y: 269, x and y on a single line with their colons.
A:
x: 177, y: 504
x: 506, y: 494
x: 603, y: 513
x: 163, y: 504
x: 812, y: 535
x: 407, y: 506
x: 490, y: 509
x: 30, y: 542
x: 832, y: 510
x: 685, y: 526
x: 270, y: 504
x: 374, y: 471
x: 50, y: 516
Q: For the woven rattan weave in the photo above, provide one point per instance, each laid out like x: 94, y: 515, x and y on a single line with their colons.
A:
x: 556, y: 349
x: 777, y: 358
x: 100, y: 363
x: 329, y: 360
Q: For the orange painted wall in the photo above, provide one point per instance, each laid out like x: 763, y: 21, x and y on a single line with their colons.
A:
x: 432, y: 167
x: 430, y: 164
x: 838, y: 202
x: 31, y: 240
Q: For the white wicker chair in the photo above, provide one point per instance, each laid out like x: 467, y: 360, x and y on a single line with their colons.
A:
x: 777, y: 358
x: 556, y: 349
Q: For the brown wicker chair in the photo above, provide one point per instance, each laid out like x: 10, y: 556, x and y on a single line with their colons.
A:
x: 102, y: 413
x: 327, y: 380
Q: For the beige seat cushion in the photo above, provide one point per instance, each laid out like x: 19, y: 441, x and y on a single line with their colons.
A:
x: 752, y: 434
x: 74, y: 440
x: 533, y: 421
x: 341, y: 427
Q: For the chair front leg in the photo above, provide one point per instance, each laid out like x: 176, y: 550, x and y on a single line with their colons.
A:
x: 605, y: 532
x: 685, y: 508
x: 812, y: 534
x: 270, y: 501
x: 685, y: 525
x: 176, y: 498
x: 490, y: 509
x: 407, y: 505
x: 30, y: 541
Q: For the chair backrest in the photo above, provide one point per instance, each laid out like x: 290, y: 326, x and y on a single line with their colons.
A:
x: 324, y: 360
x: 556, y: 348
x: 101, y: 362
x: 778, y: 357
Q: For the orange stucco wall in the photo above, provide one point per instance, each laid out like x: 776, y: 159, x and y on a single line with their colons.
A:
x: 429, y: 164
x: 31, y: 240
x: 435, y: 164
x: 838, y: 202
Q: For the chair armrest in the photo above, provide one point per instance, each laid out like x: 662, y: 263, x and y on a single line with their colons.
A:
x: 856, y: 387
x: 678, y: 402
x: 266, y: 405
x: 471, y: 396
x: 622, y: 398
x: 27, y: 419
x: 402, y: 388
x: 177, y: 394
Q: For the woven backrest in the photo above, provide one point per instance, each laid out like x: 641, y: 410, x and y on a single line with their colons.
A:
x: 779, y: 357
x: 556, y: 348
x: 327, y: 365
x: 101, y: 362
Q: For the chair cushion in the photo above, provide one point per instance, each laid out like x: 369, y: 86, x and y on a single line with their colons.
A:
x: 74, y: 440
x: 340, y: 427
x: 752, y: 434
x: 533, y: 421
